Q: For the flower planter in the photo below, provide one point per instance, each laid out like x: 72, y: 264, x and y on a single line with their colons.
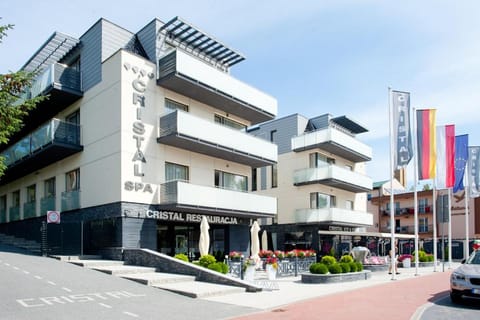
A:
x: 249, y: 274
x: 271, y: 272
x: 335, y: 278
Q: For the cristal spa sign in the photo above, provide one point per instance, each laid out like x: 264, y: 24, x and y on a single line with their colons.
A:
x: 139, y: 85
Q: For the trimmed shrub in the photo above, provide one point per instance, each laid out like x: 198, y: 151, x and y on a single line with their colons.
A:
x: 359, y: 266
x: 353, y: 266
x: 346, y: 258
x: 429, y: 257
x: 345, y: 267
x: 328, y: 260
x: 207, y: 260
x: 181, y: 256
x: 219, y: 267
x: 318, y: 268
x: 335, y: 268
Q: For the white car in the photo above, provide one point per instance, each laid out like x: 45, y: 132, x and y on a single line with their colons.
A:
x: 465, y: 280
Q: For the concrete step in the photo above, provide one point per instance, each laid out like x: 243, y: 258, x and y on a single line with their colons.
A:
x: 76, y: 257
x: 198, y: 289
x: 90, y: 263
x: 120, y: 270
x: 157, y: 278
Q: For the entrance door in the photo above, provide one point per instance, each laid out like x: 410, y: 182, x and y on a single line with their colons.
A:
x: 186, y: 240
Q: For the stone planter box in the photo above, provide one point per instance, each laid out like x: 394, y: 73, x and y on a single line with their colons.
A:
x: 336, y: 278
x: 375, y: 267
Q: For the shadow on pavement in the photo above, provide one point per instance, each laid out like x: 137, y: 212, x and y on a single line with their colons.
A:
x: 443, y: 299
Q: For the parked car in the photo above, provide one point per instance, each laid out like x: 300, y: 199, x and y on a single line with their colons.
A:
x: 465, y: 280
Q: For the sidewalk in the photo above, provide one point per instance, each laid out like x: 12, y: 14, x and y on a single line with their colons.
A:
x: 379, y: 297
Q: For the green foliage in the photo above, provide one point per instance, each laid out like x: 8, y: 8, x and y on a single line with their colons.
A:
x: 346, y: 258
x: 353, y: 266
x: 219, y: 267
x: 328, y: 260
x: 181, y: 256
x: 345, y: 267
x: 206, y: 260
x: 318, y: 268
x: 429, y: 258
x: 331, y: 252
x: 12, y: 108
x: 359, y: 266
x: 335, y: 268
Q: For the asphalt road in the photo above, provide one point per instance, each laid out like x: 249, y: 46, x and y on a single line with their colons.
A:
x: 444, y: 309
x: 33, y: 287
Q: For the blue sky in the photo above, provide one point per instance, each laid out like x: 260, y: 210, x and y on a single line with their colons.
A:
x: 315, y: 57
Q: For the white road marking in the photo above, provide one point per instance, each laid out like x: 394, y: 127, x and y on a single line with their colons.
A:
x: 38, y: 277
x: 105, y: 305
x: 52, y: 283
x: 66, y: 289
x: 16, y: 268
x: 7, y: 264
x: 26, y: 272
x: 131, y: 314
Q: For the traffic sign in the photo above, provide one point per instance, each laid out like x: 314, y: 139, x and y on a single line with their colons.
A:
x: 53, y: 217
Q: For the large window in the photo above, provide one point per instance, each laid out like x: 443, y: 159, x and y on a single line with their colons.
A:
x: 31, y: 193
x: 318, y: 160
x: 16, y: 198
x: 321, y: 201
x: 173, y: 105
x: 423, y: 225
x: 274, y: 176
x: 422, y: 205
x: 229, y: 123
x: 175, y: 171
x: 230, y: 181
x: 254, y: 179
x: 49, y: 188
x: 72, y: 180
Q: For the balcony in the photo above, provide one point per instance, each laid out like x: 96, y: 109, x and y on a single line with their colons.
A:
x: 187, y: 75
x: 180, y: 196
x: 29, y: 210
x: 334, y: 176
x: 3, y: 215
x: 14, y: 213
x: 334, y: 216
x: 407, y: 211
x: 182, y: 130
x: 47, y: 204
x: 48, y: 144
x: 410, y: 229
x: 62, y: 85
x: 336, y: 141
x: 70, y: 200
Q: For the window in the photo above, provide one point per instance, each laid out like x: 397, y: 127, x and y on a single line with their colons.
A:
x: 173, y: 105
x: 349, y: 205
x: 49, y: 188
x: 73, y: 118
x: 321, y: 201
x: 318, y: 160
x: 31, y: 193
x: 230, y: 181
x: 16, y: 198
x: 422, y: 205
x: 423, y: 225
x: 229, y: 123
x: 274, y: 176
x: 254, y: 179
x: 3, y: 203
x: 175, y: 172
x: 272, y: 135
x: 72, y: 180
x: 397, y: 207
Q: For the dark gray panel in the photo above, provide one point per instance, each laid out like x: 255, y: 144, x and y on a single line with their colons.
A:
x: 91, y: 56
x: 113, y: 38
x: 147, y: 37
x: 139, y: 233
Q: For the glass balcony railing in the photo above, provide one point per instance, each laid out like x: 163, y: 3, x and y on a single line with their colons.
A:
x: 55, y: 131
x: 334, y: 216
x: 14, y: 213
x: 47, y: 204
x: 29, y: 210
x: 70, y: 200
x: 3, y: 215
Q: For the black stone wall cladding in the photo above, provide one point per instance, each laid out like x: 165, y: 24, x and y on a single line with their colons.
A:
x: 335, y: 278
x: 164, y: 263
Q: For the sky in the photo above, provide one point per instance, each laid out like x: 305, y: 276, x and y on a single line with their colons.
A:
x: 315, y: 57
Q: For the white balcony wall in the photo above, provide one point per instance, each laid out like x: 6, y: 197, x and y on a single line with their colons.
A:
x: 332, y: 172
x: 210, y: 197
x: 217, y: 134
x: 225, y: 83
x: 333, y: 135
x: 342, y: 216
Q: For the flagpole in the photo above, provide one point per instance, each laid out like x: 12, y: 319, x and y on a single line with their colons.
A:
x: 392, y: 220
x: 434, y: 204
x: 449, y: 228
x: 415, y: 192
x: 466, y: 251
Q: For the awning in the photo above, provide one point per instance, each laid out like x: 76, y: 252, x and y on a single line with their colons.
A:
x: 366, y: 234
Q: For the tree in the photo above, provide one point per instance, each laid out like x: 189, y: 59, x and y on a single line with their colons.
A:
x: 13, y: 108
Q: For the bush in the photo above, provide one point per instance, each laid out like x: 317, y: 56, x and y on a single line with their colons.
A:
x: 335, y: 268
x: 328, y: 260
x: 207, y: 260
x: 346, y: 258
x: 345, y: 267
x: 219, y: 267
x: 353, y: 266
x: 359, y: 266
x: 429, y: 257
x: 182, y: 257
x: 318, y: 268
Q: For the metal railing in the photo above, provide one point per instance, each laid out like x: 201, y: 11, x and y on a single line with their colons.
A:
x: 288, y: 267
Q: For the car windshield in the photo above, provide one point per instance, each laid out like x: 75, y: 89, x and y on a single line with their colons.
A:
x: 474, y: 258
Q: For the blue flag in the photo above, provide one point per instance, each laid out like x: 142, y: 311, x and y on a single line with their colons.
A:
x: 461, y: 158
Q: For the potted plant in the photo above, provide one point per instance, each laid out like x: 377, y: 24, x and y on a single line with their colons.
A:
x: 234, y: 255
x: 249, y: 269
x: 271, y: 266
x: 405, y: 259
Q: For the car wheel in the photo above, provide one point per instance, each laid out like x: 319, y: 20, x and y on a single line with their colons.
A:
x: 455, y: 296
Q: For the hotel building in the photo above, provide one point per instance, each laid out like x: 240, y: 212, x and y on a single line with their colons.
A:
x: 319, y: 180
x: 142, y: 134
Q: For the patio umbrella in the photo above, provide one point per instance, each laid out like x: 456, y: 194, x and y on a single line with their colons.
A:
x: 255, y: 242
x: 204, y: 242
x: 264, y: 240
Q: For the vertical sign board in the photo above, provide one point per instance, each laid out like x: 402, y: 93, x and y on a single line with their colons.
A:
x: 53, y: 217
